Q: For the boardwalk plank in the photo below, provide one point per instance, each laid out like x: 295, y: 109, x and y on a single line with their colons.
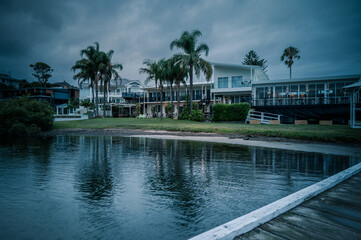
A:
x: 289, y: 232
x: 259, y: 234
x: 334, y: 214
x: 341, y: 210
x: 318, y: 227
x: 328, y: 218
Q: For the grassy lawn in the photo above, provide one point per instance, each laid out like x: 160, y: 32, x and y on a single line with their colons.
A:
x: 336, y: 133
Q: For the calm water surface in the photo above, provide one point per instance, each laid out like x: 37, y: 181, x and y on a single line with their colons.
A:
x: 135, y: 188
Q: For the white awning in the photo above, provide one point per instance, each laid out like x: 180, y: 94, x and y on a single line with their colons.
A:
x: 354, y: 85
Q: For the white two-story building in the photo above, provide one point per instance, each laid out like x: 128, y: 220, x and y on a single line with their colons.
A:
x: 230, y: 83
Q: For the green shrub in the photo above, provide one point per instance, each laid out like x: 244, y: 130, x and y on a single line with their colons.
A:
x: 168, y: 110
x: 25, y: 116
x: 185, y: 113
x: 230, y: 112
x: 197, y: 115
x: 137, y: 109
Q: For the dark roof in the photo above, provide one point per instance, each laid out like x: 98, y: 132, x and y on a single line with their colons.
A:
x: 7, y: 77
x: 62, y: 84
x: 126, y: 81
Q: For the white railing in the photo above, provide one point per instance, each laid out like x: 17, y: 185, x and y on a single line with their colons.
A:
x: 300, y: 101
x: 264, y: 117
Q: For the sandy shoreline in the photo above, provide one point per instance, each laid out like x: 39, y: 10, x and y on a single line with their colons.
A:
x: 256, y: 141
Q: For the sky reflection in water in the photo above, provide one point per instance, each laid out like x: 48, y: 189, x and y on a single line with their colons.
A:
x: 80, y: 187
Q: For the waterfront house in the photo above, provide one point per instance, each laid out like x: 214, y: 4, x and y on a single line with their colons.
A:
x: 124, y: 95
x: 312, y: 99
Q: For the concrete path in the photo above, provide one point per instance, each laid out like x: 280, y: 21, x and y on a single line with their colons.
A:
x: 334, y: 214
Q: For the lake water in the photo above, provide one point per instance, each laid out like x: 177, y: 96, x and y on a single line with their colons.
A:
x: 80, y: 187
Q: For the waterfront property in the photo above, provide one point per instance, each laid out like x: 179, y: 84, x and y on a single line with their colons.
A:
x: 230, y: 83
x: 124, y: 95
x: 312, y: 99
x: 109, y: 186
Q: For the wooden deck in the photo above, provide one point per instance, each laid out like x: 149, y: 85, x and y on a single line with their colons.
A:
x: 334, y: 214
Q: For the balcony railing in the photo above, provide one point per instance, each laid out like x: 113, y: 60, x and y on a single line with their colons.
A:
x: 300, y: 101
x: 167, y: 98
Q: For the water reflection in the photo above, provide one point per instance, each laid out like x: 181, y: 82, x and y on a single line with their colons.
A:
x: 94, y: 170
x: 107, y: 187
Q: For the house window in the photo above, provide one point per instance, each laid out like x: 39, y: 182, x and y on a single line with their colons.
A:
x: 223, y: 82
x: 236, y: 81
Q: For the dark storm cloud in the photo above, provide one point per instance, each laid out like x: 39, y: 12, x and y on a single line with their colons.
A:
x: 326, y: 32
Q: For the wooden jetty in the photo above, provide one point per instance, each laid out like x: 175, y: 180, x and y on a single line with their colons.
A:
x: 334, y: 214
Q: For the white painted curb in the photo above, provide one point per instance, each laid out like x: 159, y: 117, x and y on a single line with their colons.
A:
x: 262, y: 215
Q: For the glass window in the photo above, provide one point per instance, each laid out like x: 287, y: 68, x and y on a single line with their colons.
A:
x: 236, y: 81
x: 260, y: 93
x: 278, y: 92
x: 294, y: 91
x: 303, y: 93
x: 311, y: 90
x: 331, y: 90
x: 236, y: 99
x: 223, y: 82
x: 320, y: 90
x: 339, y: 91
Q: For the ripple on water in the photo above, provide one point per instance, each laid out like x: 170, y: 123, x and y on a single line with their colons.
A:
x: 76, y: 187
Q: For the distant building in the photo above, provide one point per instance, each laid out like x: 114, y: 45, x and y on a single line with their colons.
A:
x: 55, y: 95
x: 8, y: 81
x: 126, y: 95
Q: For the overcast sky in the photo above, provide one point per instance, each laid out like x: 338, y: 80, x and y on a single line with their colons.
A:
x: 327, y: 33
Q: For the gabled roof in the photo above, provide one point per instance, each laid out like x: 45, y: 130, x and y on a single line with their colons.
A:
x: 62, y: 84
x: 7, y: 77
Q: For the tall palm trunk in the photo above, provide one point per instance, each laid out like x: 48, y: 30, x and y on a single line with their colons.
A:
x: 191, y: 84
x: 290, y: 71
x: 171, y: 100
x: 156, y: 100
x: 93, y: 97
x: 104, y: 98
x: 161, y: 101
x: 96, y: 98
x: 178, y: 99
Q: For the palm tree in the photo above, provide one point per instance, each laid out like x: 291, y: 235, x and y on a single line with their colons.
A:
x: 83, y: 76
x: 289, y: 54
x: 192, y: 56
x: 163, y: 74
x: 153, y: 75
x: 89, y: 68
x: 108, y: 70
x: 176, y: 75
